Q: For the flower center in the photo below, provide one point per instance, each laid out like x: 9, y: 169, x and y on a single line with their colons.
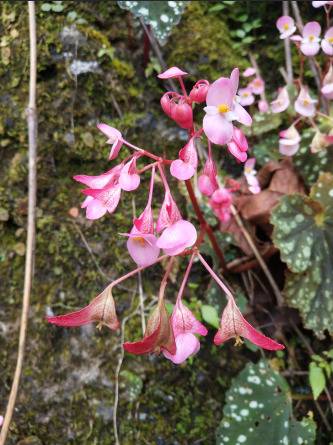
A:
x: 245, y: 94
x: 223, y: 108
x: 311, y: 38
x: 330, y: 39
x: 306, y: 102
x: 286, y: 26
x: 139, y: 240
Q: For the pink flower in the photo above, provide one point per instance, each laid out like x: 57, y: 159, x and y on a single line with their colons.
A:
x: 207, y: 182
x: 185, y: 167
x: 222, y: 109
x: 249, y: 72
x: 286, y: 26
x: 169, y: 213
x: 327, y: 88
x: 129, y: 179
x: 304, y: 104
x: 220, y: 202
x: 316, y: 4
x: 176, y: 107
x: 250, y: 175
x: 114, y: 138
x: 172, y: 72
x: 310, y: 40
x: 289, y: 141
x: 101, y: 310
x: 327, y: 42
x: 100, y: 201
x: 263, y: 106
x: 234, y: 325
x: 100, y: 181
x: 199, y: 91
x: 246, y: 97
x: 177, y: 237
x: 257, y: 86
x: 238, y: 145
x: 281, y: 103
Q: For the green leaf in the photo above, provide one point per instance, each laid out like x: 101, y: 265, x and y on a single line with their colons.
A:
x: 303, y: 231
x: 210, y: 315
x: 317, y: 380
x: 240, y: 33
x: 162, y: 16
x: 46, y: 7
x: 259, y: 410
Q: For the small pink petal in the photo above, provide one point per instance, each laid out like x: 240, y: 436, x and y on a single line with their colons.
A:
x: 181, y: 170
x: 249, y: 72
x: 242, y: 115
x: 220, y: 92
x: 142, y: 248
x: 95, y: 209
x: 311, y: 29
x: 177, y: 237
x: 172, y: 72
x: 187, y: 344
x: 217, y: 129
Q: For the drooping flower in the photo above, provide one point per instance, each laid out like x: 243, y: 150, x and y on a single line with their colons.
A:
x: 172, y: 72
x: 246, y: 97
x: 286, y: 26
x: 220, y: 202
x: 169, y: 213
x: 101, y: 310
x: 250, y: 175
x: 185, y: 167
x: 304, y: 104
x: 199, y: 91
x: 289, y: 141
x: 309, y: 40
x: 114, y: 138
x: 158, y: 336
x: 234, y: 325
x: 100, y: 201
x: 250, y: 71
x: 281, y: 103
x: 207, y: 182
x: 257, y: 86
x: 238, y: 145
x: 99, y: 181
x: 327, y: 42
x: 129, y: 179
x: 222, y: 108
x: 327, y: 89
x: 263, y: 106
x: 177, y: 237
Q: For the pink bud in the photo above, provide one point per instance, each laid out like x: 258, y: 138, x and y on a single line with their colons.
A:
x: 199, y: 91
x: 207, y: 182
x: 182, y: 114
x: 167, y: 103
x: 238, y: 145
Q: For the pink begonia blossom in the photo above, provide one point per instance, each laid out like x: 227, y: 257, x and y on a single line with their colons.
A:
x: 318, y: 4
x: 286, y: 26
x: 250, y: 176
x: 304, y: 104
x: 246, y: 97
x: 289, y: 141
x: 234, y: 325
x: 222, y: 108
x: 172, y: 72
x: 199, y: 91
x: 177, y: 237
x: 282, y: 102
x: 327, y: 42
x: 129, y: 179
x: 185, y: 167
x: 250, y: 71
x: 114, y: 138
x: 238, y: 145
x: 169, y: 213
x: 263, y: 106
x: 310, y: 39
x: 100, y: 181
x: 220, y: 202
x: 207, y: 182
x: 176, y: 107
x: 257, y: 86
x: 327, y: 89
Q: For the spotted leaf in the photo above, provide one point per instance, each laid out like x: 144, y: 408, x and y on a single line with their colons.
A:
x: 303, y: 231
x: 259, y: 407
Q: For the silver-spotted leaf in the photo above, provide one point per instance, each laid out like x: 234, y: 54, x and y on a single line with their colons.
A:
x: 259, y: 410
x: 303, y: 231
x: 162, y: 16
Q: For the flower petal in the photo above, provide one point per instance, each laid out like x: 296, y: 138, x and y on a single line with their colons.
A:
x: 217, y: 129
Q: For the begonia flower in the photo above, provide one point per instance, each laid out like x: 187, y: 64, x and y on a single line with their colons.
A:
x: 220, y: 202
x: 177, y: 108
x: 246, y: 97
x: 304, y: 104
x: 327, y: 42
x: 282, y: 102
x: 263, y: 106
x: 185, y: 167
x: 199, y: 91
x: 207, y: 182
x: 100, y: 201
x: 238, y: 145
x: 310, y: 39
x: 169, y: 213
x: 129, y: 179
x: 171, y: 73
x: 101, y: 310
x: 177, y: 237
x: 222, y: 109
x: 289, y: 141
x: 234, y: 325
x: 250, y: 176
x: 327, y: 88
x: 257, y: 86
x: 286, y: 26
x: 114, y: 138
x: 100, y: 181
x: 250, y: 71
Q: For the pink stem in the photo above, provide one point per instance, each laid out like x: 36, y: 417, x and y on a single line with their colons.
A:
x: 216, y: 278
x: 164, y: 180
x: 151, y: 188
x: 182, y: 287
x: 182, y: 86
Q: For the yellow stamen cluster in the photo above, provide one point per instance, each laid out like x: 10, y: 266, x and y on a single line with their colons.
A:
x: 238, y: 341
x: 286, y: 26
x: 306, y: 102
x: 223, y: 108
x: 139, y: 240
x: 330, y: 39
x: 311, y: 38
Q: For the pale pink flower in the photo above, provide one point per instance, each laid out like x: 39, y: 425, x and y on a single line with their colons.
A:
x: 310, y: 40
x: 281, y: 103
x: 250, y: 176
x: 220, y: 202
x: 246, y: 97
x: 289, y: 141
x: 129, y: 179
x: 114, y: 138
x: 304, y: 104
x: 199, y: 91
x: 286, y: 26
x: 185, y: 167
x: 318, y: 4
x: 327, y: 42
x: 263, y: 106
x: 172, y: 72
x: 327, y: 89
x: 222, y: 109
x: 207, y: 182
x: 250, y: 71
x: 238, y: 145
x: 177, y: 237
x: 234, y: 325
x: 257, y: 86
